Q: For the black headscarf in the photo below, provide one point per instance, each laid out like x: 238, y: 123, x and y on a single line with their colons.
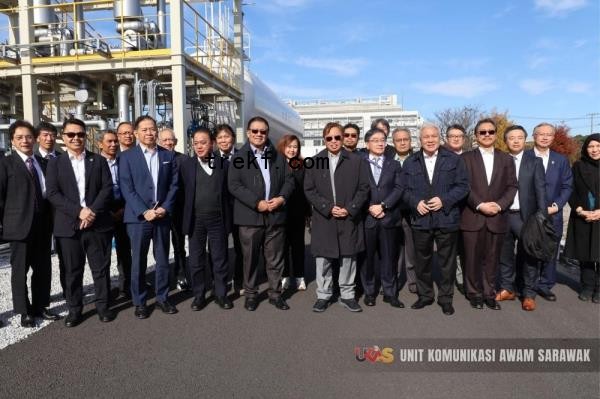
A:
x: 590, y: 168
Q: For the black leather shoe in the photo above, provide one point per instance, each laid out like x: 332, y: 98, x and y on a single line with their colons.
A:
x: 251, y: 304
x: 27, y: 321
x: 142, y: 312
x: 393, y: 301
x: 198, y: 304
x: 107, y: 316
x: 476, y: 303
x: 73, y: 319
x: 183, y: 284
x: 224, y: 302
x: 447, y: 309
x: 420, y: 304
x: 547, y: 295
x: 320, y: 305
x: 369, y: 300
x: 167, y: 307
x: 279, y: 303
x: 492, y: 304
x: 45, y: 314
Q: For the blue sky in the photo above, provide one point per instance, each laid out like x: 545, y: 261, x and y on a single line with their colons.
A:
x: 535, y: 58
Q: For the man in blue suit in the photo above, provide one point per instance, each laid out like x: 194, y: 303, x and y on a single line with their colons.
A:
x: 148, y: 176
x: 435, y: 182
x: 559, y: 184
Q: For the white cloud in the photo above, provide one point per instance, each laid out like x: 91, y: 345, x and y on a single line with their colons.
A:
x: 536, y: 60
x: 291, y: 91
x: 340, y: 66
x: 577, y: 87
x: 535, y: 86
x: 468, y: 87
x: 469, y: 64
x: 556, y: 8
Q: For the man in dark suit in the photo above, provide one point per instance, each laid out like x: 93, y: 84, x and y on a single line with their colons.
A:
x: 337, y: 187
x: 530, y: 198
x: 126, y: 136
x: 148, y: 176
x: 205, y: 216
x: 434, y: 183
x: 80, y: 189
x: 384, y: 125
x: 559, y: 185
x: 382, y: 224
x: 109, y: 147
x: 261, y: 184
x: 25, y: 218
x: 484, y: 220
x: 179, y: 273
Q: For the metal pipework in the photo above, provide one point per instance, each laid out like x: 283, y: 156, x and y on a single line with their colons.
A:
x: 42, y: 14
x: 161, y: 12
x: 138, y: 97
x: 127, y: 10
x: 80, y: 25
x: 123, y: 102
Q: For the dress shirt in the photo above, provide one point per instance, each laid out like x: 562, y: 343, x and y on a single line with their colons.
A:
x: 430, y: 164
x: 263, y: 165
x: 228, y: 155
x: 376, y: 163
x: 401, y: 158
x: 488, y: 162
x: 78, y: 164
x: 45, y: 154
x: 518, y: 157
x: 114, y: 172
x: 38, y: 169
x: 206, y: 166
x: 151, y: 156
x: 333, y: 161
x: 544, y: 155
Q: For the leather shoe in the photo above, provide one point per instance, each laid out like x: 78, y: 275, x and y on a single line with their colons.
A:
x: 393, y: 301
x: 198, y: 304
x: 528, y: 304
x: 167, y: 307
x: 107, y: 316
x: 505, y: 295
x: 447, y: 309
x: 420, y: 304
x: 224, y: 302
x: 142, y: 312
x: 279, y: 303
x: 547, y: 295
x: 369, y: 300
x: 73, y: 319
x: 476, y: 303
x: 27, y: 321
x: 183, y: 284
x: 492, y: 304
x: 251, y: 304
x: 45, y: 314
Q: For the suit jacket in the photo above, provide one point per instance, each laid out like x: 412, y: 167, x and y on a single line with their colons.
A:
x: 450, y: 183
x: 532, y: 186
x: 137, y: 186
x: 188, y: 188
x: 332, y: 237
x: 388, y: 190
x: 62, y: 192
x: 17, y: 199
x: 247, y: 185
x: 501, y: 190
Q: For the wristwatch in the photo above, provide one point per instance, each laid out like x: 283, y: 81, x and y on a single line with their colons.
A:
x: 383, y: 205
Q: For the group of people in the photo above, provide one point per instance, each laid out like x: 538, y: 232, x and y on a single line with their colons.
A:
x: 376, y: 215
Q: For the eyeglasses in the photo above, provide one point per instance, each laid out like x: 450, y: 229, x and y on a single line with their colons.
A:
x: 125, y: 134
x: 486, y: 132
x: 455, y: 136
x: 336, y: 138
x: 377, y: 141
x: 259, y: 131
x: 71, y: 135
x: 353, y: 135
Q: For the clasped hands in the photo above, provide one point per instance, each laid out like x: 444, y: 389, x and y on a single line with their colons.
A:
x: 86, y: 218
x: 489, y: 208
x: 154, y: 214
x: 432, y: 205
x: 269, y: 205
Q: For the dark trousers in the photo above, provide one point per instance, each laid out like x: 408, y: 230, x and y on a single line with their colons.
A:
x: 208, y: 227
x: 446, y: 243
x: 547, y: 276
x: 294, y: 249
x: 272, y: 240
x: 590, y: 277
x: 140, y: 235
x: 179, y: 271
x: 406, y: 256
x: 61, y: 266
x: 123, y: 249
x: 482, y: 251
x: 96, y: 246
x: 33, y: 252
x: 517, y: 271
x: 238, y: 267
x: 380, y: 261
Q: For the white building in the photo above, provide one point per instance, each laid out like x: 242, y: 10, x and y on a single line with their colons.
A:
x: 360, y: 111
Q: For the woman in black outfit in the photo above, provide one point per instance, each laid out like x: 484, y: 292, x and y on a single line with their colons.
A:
x: 583, y: 234
x: 298, y: 211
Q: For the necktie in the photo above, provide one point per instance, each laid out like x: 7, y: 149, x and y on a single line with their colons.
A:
x: 49, y: 156
x: 36, y: 183
x: 376, y: 169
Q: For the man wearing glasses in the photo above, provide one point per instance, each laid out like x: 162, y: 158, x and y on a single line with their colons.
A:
x: 484, y: 220
x: 125, y: 136
x: 261, y: 183
x: 351, y: 137
x: 338, y: 188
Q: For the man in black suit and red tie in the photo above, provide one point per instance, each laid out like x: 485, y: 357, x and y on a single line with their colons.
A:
x: 80, y: 188
x: 25, y: 218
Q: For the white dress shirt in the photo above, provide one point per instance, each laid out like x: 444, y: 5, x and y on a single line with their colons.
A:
x: 151, y: 156
x: 544, y: 155
x: 263, y: 165
x: 430, y: 164
x: 205, y: 166
x: 488, y: 162
x: 38, y: 169
x: 333, y: 161
x: 78, y: 164
x: 517, y: 158
x: 45, y: 153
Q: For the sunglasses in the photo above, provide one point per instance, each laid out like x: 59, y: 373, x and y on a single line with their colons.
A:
x: 486, y: 132
x: 71, y: 135
x: 353, y: 135
x: 336, y: 138
x: 259, y: 131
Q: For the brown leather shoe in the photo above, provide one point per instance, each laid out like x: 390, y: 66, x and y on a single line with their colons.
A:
x: 528, y: 304
x: 505, y: 295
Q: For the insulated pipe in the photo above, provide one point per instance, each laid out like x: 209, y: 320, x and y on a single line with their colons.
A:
x: 123, y: 102
x: 161, y: 12
x: 80, y: 111
x: 137, y: 26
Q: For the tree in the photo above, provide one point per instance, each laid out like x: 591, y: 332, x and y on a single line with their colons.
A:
x: 466, y: 116
x: 565, y: 144
x: 502, y: 122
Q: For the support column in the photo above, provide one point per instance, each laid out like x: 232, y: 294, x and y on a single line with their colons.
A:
x: 178, y: 75
x: 238, y: 42
x: 31, y: 109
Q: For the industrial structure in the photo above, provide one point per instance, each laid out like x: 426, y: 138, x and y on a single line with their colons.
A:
x: 104, y: 62
x: 360, y: 111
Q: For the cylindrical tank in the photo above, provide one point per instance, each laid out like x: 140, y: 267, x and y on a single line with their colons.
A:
x: 127, y: 10
x: 42, y: 15
x: 123, y: 102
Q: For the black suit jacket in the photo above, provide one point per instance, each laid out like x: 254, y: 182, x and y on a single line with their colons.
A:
x: 532, y: 186
x: 61, y: 188
x: 17, y: 199
x: 388, y: 190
